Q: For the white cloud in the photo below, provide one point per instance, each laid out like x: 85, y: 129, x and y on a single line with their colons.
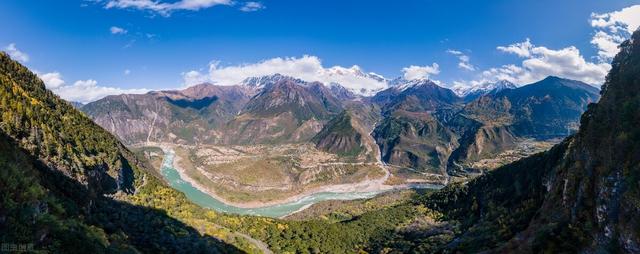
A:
x: 165, y: 8
x: 627, y: 19
x: 607, y: 44
x: 16, y: 54
x: 420, y: 72
x: 612, y: 29
x: 522, y: 49
x: 82, y: 90
x: 308, y: 68
x: 127, y: 72
x: 541, y: 62
x: 52, y: 80
x: 88, y: 90
x: 192, y: 78
x: 252, y: 6
x: 117, y: 30
x: 464, y: 60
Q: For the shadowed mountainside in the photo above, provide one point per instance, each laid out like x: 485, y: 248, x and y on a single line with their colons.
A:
x: 62, y: 175
x: 581, y: 196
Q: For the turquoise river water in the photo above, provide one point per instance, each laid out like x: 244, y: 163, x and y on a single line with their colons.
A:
x: 173, y: 178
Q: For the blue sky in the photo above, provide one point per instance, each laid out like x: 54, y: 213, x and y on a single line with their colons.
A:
x: 156, y: 48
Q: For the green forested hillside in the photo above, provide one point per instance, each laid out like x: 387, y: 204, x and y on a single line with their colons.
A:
x: 53, y: 131
x: 57, y: 164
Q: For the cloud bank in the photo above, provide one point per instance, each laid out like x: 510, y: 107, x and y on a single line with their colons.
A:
x: 165, y: 8
x: 309, y: 68
x: 420, y: 72
x: 613, y: 28
x: 16, y: 54
x: 84, y: 91
x: 540, y: 62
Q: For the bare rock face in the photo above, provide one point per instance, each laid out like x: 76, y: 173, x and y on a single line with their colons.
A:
x: 490, y: 140
x: 285, y: 111
x: 415, y: 140
x: 344, y: 136
x: 193, y: 115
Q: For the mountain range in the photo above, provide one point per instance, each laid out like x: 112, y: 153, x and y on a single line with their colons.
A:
x: 69, y: 186
x: 414, y: 124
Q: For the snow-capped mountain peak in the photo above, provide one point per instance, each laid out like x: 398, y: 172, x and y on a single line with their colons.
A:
x: 355, y: 80
x: 402, y: 84
x: 261, y: 81
x: 352, y: 79
x: 464, y: 90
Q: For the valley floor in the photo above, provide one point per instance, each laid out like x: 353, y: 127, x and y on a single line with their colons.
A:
x: 249, y: 177
x: 362, y: 182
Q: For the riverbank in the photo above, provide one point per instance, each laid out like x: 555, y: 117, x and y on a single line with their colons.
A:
x: 176, y: 176
x: 366, y: 186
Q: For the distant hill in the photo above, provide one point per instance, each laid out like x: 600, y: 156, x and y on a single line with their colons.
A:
x: 493, y: 123
x: 284, y: 111
x: 192, y: 115
x: 76, y: 104
x: 415, y: 96
x: 346, y: 136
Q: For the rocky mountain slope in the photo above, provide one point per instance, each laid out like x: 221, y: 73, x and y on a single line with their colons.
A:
x: 411, y: 134
x: 415, y: 140
x: 580, y: 197
x: 416, y: 124
x: 460, y: 134
x: 416, y: 96
x: 284, y: 111
x: 344, y: 135
x: 496, y: 122
x: 192, y: 115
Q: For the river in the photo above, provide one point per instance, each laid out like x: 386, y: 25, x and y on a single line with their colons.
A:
x: 173, y: 178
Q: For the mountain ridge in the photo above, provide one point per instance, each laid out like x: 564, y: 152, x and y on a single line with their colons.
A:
x: 278, y: 109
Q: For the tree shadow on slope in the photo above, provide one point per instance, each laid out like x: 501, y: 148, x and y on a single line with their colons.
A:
x: 43, y: 210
